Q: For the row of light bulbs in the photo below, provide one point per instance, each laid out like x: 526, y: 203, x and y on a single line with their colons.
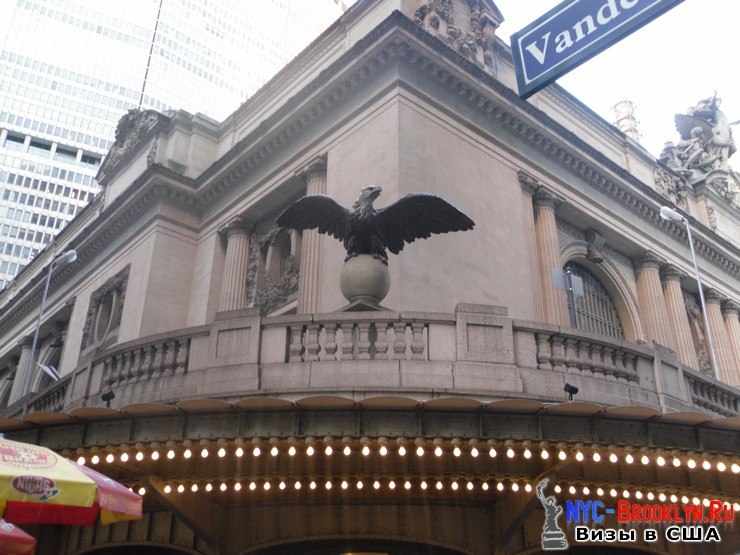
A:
x: 501, y: 486
x: 420, y: 448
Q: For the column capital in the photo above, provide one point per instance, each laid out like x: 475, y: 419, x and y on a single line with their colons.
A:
x: 648, y: 259
x: 236, y: 225
x: 731, y: 307
x: 671, y: 272
x: 713, y: 296
x: 528, y: 182
x: 545, y: 197
x: 313, y: 167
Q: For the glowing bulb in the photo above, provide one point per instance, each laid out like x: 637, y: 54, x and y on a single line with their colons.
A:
x: 204, y: 453
x: 391, y: 485
x: 638, y: 494
x: 95, y: 459
x: 401, y: 451
x: 439, y: 485
x: 359, y: 484
x: 650, y: 496
x: 297, y: 485
x: 180, y: 489
x: 267, y: 486
x: 674, y: 498
x: 365, y: 450
x: 221, y: 453
x: 586, y: 491
x: 736, y: 507
x: 81, y: 461
x: 124, y: 457
x: 252, y: 486
x: 676, y: 462
x: 629, y: 459
x: 613, y: 492
x: 626, y: 494
x: 142, y: 491
x: 109, y: 458
x: 510, y: 453
x: 557, y: 489
x: 437, y: 451
x: 474, y: 452
x: 194, y: 488
x: 256, y: 452
x: 572, y: 490
x: 514, y: 487
x: 274, y: 452
x: 237, y: 486
x: 423, y: 485
x: 721, y: 467
x: 328, y: 485
x: 645, y: 459
x: 691, y: 463
x: 420, y: 451
x: 527, y: 454
x: 376, y: 485
x: 187, y: 453
x: 168, y: 489
x: 282, y: 485
x: 613, y: 458
x: 562, y: 455
x: 456, y: 452
x: 223, y: 486
x: 596, y: 457
x: 347, y: 450
x: 139, y: 456
x: 684, y: 500
x: 600, y: 492
x: 383, y: 451
x: 695, y: 501
x: 544, y: 454
x: 209, y: 487
x: 735, y: 468
x: 291, y: 451
x: 500, y: 486
x: 528, y: 488
x: 344, y: 484
x: 310, y: 451
x: 484, y: 486
x: 492, y: 453
x: 662, y: 497
x: 706, y: 502
x: 660, y: 461
x: 170, y: 454
x: 155, y: 455
x: 328, y: 451
x: 454, y: 485
x: 407, y: 485
x: 706, y: 465
x: 579, y: 456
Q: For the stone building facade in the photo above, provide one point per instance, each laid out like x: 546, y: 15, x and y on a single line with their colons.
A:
x: 258, y: 417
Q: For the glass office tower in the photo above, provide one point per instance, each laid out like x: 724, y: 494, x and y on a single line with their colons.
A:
x: 70, y: 69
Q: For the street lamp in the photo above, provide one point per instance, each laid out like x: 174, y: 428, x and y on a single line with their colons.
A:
x: 63, y: 259
x: 671, y: 215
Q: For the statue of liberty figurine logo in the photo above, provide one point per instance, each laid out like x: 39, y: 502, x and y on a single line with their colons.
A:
x: 553, y: 537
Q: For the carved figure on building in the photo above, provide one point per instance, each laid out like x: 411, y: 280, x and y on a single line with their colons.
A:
x: 705, y: 148
x: 277, y: 269
x: 468, y: 26
x: 698, y: 333
x: 669, y: 181
x: 365, y: 230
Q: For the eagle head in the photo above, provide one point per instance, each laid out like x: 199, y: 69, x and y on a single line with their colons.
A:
x: 367, y: 197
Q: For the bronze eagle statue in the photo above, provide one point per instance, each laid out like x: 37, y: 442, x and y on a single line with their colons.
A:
x: 365, y: 230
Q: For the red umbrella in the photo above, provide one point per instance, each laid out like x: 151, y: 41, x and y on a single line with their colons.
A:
x: 14, y: 541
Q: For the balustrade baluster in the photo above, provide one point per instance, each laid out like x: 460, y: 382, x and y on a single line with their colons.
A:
x: 544, y: 352
x: 330, y: 347
x: 609, y: 369
x: 348, y: 340
x: 558, y: 353
x: 571, y: 354
x: 399, y: 340
x: 295, y: 349
x: 363, y: 340
x: 381, y: 340
x: 418, y: 347
x: 181, y: 358
x: 312, y: 342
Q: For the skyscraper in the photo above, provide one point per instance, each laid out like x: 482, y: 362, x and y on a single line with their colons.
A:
x: 69, y: 70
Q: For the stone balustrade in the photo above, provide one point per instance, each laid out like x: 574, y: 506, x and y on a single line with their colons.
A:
x: 711, y: 395
x: 478, y: 352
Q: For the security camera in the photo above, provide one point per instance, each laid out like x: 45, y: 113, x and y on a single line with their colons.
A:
x: 107, y: 397
x: 571, y: 390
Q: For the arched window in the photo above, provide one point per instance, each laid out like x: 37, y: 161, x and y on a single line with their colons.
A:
x: 589, y: 304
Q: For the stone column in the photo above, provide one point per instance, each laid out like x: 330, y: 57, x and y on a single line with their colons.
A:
x: 22, y: 370
x: 234, y: 281
x: 730, y: 311
x: 653, y: 311
x: 678, y: 317
x: 554, y: 300
x: 722, y: 349
x: 308, y: 282
x: 529, y: 187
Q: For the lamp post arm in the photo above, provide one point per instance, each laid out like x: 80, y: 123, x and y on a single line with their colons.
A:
x: 710, y: 341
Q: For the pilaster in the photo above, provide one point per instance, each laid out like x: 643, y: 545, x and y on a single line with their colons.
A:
x: 314, y: 174
x: 554, y: 299
x: 726, y: 368
x: 678, y: 317
x: 529, y: 187
x: 730, y: 310
x: 234, y: 282
x: 22, y: 370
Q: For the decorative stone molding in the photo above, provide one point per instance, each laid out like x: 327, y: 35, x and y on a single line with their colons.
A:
x: 671, y: 186
x: 104, y: 311
x: 649, y: 260
x: 596, y: 244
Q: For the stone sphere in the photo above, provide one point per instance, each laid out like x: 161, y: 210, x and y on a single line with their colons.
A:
x: 365, y: 278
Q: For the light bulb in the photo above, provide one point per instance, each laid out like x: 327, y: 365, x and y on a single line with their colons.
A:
x: 562, y: 455
x: 650, y: 496
x: 180, y: 488
x: 638, y: 494
x: 626, y: 494
x: 599, y: 492
x: 674, y: 498
x: 645, y: 460
x: 423, y: 485
x: 706, y: 465
x: 187, y: 453
x: 456, y: 452
x: 557, y: 489
x: 328, y: 451
x: 328, y: 484
x: 514, y: 487
x: 291, y: 451
x: 596, y: 457
x: 454, y: 485
x: 484, y: 486
x: 139, y: 456
x: 221, y: 453
x: 662, y: 497
x: 676, y: 462
x: 401, y: 451
x: 252, y: 486
x: 613, y: 458
x: 439, y: 485
x: 204, y: 453
x: 579, y: 456
x: 407, y: 485
x: 691, y: 463
x: 544, y: 454
x: 613, y: 492
x: 142, y: 491
x: 376, y: 485
x: 237, y: 486
x: 500, y: 486
x: 359, y: 484
x: 194, y: 488
x: 392, y: 485
x: 510, y: 453
x: 527, y: 454
x: 492, y: 453
x: 209, y: 487
x: 365, y: 451
x: 170, y: 454
x: 310, y: 451
x: 124, y: 457
x: 383, y: 451
x: 223, y: 486
x: 695, y: 501
x: 155, y: 455
x: 95, y: 459
x: 81, y: 461
x: 470, y: 485
x: 109, y: 458
x: 474, y: 452
x: 437, y: 451
x: 572, y: 490
x: 297, y: 485
x: 420, y: 451
x: 344, y: 484
x: 282, y: 485
x: 735, y: 468
x: 256, y: 452
x: 347, y: 450
x: 274, y: 452
x: 660, y: 460
x: 721, y: 467
x: 168, y: 489
x: 586, y: 491
x: 684, y: 500
x: 267, y: 486
x: 629, y: 459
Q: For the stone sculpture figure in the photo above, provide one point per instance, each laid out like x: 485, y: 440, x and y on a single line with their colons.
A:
x: 553, y: 538
x: 366, y: 233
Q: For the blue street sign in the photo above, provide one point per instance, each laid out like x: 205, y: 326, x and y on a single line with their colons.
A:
x: 575, y: 31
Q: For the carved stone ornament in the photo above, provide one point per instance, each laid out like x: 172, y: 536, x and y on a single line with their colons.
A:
x: 672, y: 186
x: 468, y: 26
x: 276, y: 289
x: 698, y: 332
x: 105, y: 310
x: 133, y: 128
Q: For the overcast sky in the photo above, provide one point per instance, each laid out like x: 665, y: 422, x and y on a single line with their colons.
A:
x: 671, y: 63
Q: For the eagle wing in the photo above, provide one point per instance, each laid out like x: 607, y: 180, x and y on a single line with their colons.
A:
x: 317, y: 211
x: 418, y: 216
